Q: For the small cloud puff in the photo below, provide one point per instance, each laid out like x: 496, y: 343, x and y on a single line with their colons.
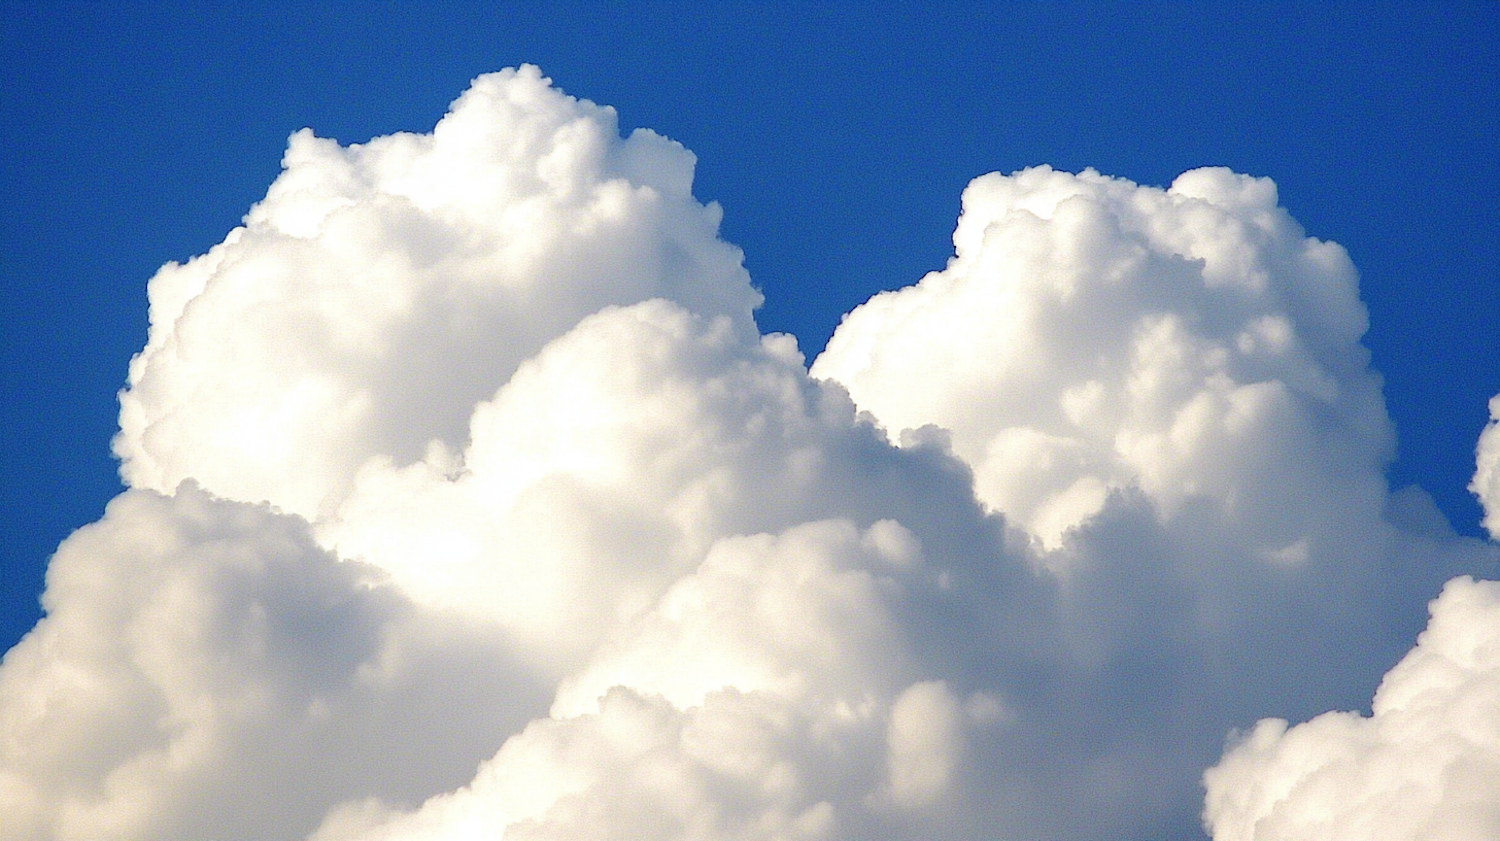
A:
x: 1486, y: 484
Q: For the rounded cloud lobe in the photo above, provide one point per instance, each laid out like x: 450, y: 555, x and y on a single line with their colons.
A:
x: 206, y: 670
x: 1486, y: 484
x: 380, y: 290
x: 465, y: 451
x: 1091, y: 335
x: 1425, y: 764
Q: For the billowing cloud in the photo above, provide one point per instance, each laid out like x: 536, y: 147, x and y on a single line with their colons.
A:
x: 465, y: 451
x: 611, y: 462
x: 1486, y: 484
x: 380, y: 290
x: 1091, y: 335
x: 1165, y: 389
x: 1424, y: 765
x: 205, y: 670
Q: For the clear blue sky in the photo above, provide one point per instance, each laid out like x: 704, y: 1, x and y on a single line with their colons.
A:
x: 837, y: 138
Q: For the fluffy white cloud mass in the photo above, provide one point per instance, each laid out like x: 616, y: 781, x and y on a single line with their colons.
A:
x: 1091, y: 335
x: 1424, y: 765
x: 1486, y: 484
x: 465, y: 452
x: 380, y: 290
x: 205, y: 670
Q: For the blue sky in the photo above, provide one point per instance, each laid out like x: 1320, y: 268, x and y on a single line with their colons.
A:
x: 837, y: 138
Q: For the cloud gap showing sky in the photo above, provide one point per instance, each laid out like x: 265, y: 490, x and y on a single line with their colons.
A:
x: 465, y: 451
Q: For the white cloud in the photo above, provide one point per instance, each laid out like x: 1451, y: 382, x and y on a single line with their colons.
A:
x: 1092, y: 334
x: 641, y: 768
x: 543, y: 499
x: 1486, y: 484
x: 926, y: 741
x: 785, y: 615
x: 1165, y: 388
x: 750, y: 703
x: 1424, y: 765
x: 610, y: 463
x: 380, y: 290
x: 206, y: 671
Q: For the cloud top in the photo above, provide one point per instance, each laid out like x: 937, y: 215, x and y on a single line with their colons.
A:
x: 380, y: 290
x: 1090, y: 335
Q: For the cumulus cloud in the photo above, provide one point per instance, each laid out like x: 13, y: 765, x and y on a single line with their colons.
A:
x: 1424, y: 765
x: 769, y: 694
x: 610, y: 463
x: 380, y: 290
x: 1090, y: 335
x: 465, y: 451
x: 205, y: 670
x: 1165, y: 389
x: 1486, y: 484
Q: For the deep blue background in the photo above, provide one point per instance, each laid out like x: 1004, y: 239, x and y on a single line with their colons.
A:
x: 838, y: 139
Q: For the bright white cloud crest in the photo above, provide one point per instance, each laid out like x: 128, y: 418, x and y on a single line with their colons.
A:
x: 1486, y: 484
x: 465, y: 450
x: 379, y: 291
x: 1091, y: 335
